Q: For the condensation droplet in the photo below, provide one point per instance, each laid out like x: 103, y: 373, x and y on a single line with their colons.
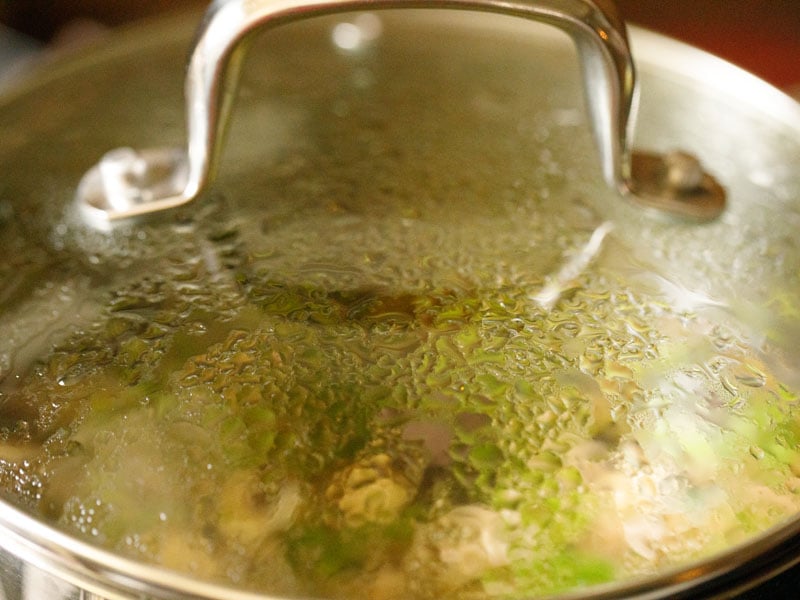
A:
x: 751, y: 377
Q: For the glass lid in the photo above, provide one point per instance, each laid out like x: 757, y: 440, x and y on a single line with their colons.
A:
x: 408, y: 344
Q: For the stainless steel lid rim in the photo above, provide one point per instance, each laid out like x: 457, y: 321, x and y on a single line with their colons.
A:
x: 96, y: 570
x: 118, y: 578
x: 660, y: 54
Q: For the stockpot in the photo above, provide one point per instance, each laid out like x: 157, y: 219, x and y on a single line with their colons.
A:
x: 437, y: 321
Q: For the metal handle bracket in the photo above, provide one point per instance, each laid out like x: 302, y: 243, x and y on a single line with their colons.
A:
x: 127, y: 183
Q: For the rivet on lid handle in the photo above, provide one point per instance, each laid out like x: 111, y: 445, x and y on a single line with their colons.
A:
x: 127, y: 183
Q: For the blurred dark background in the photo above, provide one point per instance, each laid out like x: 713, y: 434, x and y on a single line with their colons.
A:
x: 763, y: 36
x: 46, y: 19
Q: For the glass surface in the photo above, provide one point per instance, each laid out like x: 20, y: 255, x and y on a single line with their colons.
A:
x: 409, y: 345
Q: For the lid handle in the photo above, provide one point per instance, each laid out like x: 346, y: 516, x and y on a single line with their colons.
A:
x: 127, y: 183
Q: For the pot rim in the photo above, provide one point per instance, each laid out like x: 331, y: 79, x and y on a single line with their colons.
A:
x: 115, y: 577
x: 662, y: 53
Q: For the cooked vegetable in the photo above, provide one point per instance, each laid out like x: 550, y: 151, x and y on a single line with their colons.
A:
x: 462, y: 442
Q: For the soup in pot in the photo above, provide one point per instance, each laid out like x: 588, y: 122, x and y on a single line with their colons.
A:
x: 399, y: 363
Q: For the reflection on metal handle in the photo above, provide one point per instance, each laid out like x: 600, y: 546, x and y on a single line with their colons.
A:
x: 128, y: 183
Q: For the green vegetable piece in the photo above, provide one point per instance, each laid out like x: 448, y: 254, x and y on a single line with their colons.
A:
x: 486, y: 456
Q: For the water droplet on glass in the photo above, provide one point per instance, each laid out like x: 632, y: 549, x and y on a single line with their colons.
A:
x: 748, y: 375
